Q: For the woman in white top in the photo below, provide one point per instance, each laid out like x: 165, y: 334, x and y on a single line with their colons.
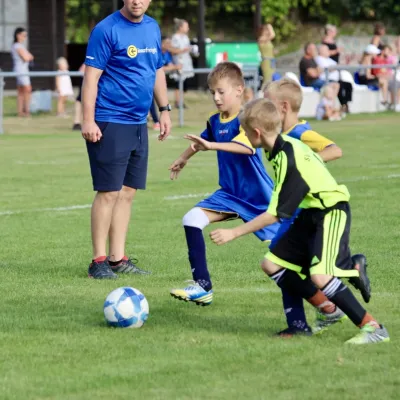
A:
x: 64, y: 86
x: 21, y: 59
x: 180, y: 51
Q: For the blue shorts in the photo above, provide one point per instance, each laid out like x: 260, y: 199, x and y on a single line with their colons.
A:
x: 223, y: 202
x: 120, y: 157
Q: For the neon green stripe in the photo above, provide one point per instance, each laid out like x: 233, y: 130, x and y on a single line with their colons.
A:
x: 282, y: 263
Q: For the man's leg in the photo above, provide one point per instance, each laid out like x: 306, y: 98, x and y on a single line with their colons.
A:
x: 121, y: 215
x: 132, y: 137
x: 194, y: 222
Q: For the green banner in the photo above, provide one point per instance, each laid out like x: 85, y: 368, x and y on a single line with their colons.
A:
x: 245, y: 54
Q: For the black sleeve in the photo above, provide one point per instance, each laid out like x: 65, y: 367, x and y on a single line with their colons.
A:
x: 290, y: 187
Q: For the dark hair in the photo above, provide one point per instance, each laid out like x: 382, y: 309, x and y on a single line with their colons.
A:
x: 378, y: 27
x: 17, y: 32
x: 163, y: 37
x: 307, y: 45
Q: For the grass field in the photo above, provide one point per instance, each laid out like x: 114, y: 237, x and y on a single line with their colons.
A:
x: 54, y: 343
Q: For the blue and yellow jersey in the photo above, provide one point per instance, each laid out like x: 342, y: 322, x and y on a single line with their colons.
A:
x: 241, y: 175
x: 303, y: 132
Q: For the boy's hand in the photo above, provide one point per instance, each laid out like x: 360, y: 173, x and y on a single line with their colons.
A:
x: 198, y: 144
x: 176, y: 167
x: 222, y: 236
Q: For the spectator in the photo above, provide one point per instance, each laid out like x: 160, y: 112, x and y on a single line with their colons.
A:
x: 379, y: 32
x: 180, y: 50
x: 345, y: 89
x: 309, y: 71
x: 366, y: 77
x: 248, y: 95
x: 264, y: 40
x: 21, y: 59
x: 326, y: 109
x: 168, y: 67
x: 78, y: 105
x: 330, y: 40
x: 63, y: 86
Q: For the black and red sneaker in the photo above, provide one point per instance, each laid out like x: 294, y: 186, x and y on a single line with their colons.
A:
x: 128, y: 266
x: 294, y: 331
x: 100, y: 269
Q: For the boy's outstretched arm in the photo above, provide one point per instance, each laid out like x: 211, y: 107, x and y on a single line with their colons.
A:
x: 200, y: 144
x: 324, y: 147
x: 330, y: 153
x: 177, y: 166
x: 222, y: 236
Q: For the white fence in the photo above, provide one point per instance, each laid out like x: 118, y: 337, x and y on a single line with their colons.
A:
x: 253, y: 74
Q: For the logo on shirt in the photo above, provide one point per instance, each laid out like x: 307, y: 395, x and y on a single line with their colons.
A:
x: 223, y: 131
x: 132, y: 51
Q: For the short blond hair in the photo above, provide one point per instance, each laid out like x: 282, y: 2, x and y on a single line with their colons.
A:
x: 228, y: 70
x: 286, y: 90
x: 261, y: 114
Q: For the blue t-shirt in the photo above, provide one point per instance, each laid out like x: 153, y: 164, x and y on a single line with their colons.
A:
x: 167, y: 58
x: 128, y: 54
x: 243, y: 176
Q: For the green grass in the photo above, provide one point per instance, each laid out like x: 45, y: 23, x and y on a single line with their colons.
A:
x: 54, y: 343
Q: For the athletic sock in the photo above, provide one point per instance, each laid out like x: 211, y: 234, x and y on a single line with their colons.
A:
x: 320, y: 301
x: 341, y: 295
x: 100, y: 259
x: 197, y: 256
x: 294, y: 284
x: 294, y: 310
x: 115, y: 263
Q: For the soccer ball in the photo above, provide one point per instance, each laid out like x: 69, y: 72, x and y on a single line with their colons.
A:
x: 126, y: 307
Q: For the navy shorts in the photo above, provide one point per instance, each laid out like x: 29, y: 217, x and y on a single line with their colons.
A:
x: 120, y: 157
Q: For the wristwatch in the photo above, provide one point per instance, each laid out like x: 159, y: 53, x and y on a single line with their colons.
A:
x: 166, y: 108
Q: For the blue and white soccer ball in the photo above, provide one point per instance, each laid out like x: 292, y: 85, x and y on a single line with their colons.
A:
x: 126, y: 307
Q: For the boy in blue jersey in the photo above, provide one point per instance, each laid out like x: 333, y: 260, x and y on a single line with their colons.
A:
x: 245, y: 186
x: 124, y: 66
x: 287, y: 96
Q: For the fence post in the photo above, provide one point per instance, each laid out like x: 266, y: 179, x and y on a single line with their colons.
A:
x: 1, y: 104
x: 256, y: 78
x: 181, y: 111
x: 327, y: 75
x: 395, y: 96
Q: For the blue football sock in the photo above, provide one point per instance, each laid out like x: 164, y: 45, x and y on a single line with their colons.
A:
x: 197, y: 256
x: 294, y: 310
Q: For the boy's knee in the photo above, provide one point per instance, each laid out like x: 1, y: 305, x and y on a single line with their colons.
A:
x: 320, y: 281
x: 195, y: 218
x: 269, y: 267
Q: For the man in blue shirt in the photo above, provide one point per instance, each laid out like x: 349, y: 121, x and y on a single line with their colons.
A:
x: 124, y: 64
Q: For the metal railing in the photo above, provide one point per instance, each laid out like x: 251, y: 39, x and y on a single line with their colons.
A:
x: 247, y: 72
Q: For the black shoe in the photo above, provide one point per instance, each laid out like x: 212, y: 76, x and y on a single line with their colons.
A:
x: 362, y: 282
x: 77, y: 127
x: 127, y: 266
x: 293, y: 331
x: 101, y: 270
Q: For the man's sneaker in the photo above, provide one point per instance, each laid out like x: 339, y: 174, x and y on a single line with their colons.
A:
x: 370, y: 334
x: 361, y: 282
x: 324, y: 321
x: 127, y: 266
x: 195, y: 293
x: 294, y: 331
x: 101, y: 270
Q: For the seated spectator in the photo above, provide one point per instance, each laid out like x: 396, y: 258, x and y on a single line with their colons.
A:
x: 326, y: 109
x: 366, y: 77
x: 309, y: 70
x: 248, y: 95
x: 345, y: 89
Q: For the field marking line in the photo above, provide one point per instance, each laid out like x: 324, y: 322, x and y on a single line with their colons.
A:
x: 56, y: 209
x: 187, y: 196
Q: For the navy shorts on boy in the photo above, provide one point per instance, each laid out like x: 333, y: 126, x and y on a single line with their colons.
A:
x: 120, y: 157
